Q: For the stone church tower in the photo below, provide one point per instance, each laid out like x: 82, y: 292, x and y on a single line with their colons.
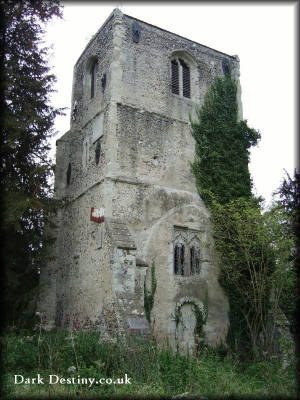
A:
x: 129, y: 197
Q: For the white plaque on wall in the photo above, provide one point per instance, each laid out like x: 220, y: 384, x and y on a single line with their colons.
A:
x: 97, y: 127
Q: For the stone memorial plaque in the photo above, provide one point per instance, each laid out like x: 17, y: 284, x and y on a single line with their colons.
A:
x: 138, y: 323
x: 97, y: 127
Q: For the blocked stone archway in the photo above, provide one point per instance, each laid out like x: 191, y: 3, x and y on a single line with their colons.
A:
x: 186, y: 328
x: 186, y: 336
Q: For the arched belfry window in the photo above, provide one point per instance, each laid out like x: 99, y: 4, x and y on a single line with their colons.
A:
x: 181, y: 77
x: 175, y: 77
x: 186, y: 79
x: 93, y: 77
x: 184, y: 75
x: 91, y: 72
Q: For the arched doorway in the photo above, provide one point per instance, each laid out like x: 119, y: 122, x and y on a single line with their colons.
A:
x: 186, y: 328
x: 190, y: 318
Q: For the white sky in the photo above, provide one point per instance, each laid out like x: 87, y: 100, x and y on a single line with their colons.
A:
x: 262, y: 35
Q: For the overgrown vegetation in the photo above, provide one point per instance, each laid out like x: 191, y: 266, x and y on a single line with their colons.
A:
x: 254, y: 256
x: 200, y: 337
x: 153, y: 370
x: 27, y: 120
x: 201, y: 314
x: 247, y: 265
x: 222, y: 145
x: 288, y: 207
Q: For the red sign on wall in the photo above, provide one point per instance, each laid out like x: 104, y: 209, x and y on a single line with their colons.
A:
x: 97, y: 215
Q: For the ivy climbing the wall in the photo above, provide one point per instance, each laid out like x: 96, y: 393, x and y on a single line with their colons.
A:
x: 201, y: 313
x: 201, y: 318
x: 222, y: 145
x: 149, y: 295
x: 224, y: 183
x: 200, y: 337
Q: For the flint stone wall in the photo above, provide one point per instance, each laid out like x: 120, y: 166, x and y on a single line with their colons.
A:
x: 143, y: 180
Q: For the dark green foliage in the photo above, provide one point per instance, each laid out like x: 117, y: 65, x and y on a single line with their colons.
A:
x: 201, y: 318
x: 149, y: 296
x: 289, y: 300
x: 289, y: 199
x: 200, y: 338
x: 222, y: 145
x: 26, y: 124
x: 244, y: 242
x: 224, y: 183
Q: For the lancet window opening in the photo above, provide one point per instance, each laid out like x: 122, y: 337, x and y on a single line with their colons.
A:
x: 93, y: 78
x: 180, y: 78
x: 187, y: 256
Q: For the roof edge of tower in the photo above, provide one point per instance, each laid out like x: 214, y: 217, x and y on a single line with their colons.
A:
x: 116, y: 11
x: 172, y: 33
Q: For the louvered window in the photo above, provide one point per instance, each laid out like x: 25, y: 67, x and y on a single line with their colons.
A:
x: 175, y: 77
x: 186, y: 80
x: 181, y: 78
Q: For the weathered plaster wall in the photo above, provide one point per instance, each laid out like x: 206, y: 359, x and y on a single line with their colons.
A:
x: 171, y: 288
x: 83, y: 271
x: 155, y: 148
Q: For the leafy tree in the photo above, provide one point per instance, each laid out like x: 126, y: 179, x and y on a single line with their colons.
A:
x: 290, y: 202
x: 222, y: 145
x: 243, y: 240
x: 284, y: 287
x: 289, y: 197
x: 27, y: 122
x: 257, y: 272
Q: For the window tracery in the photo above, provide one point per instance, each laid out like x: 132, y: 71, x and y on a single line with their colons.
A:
x: 187, y: 256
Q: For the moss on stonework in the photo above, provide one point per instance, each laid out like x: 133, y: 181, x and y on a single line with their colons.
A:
x: 199, y: 333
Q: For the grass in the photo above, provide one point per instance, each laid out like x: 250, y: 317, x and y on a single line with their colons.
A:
x: 153, y: 370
